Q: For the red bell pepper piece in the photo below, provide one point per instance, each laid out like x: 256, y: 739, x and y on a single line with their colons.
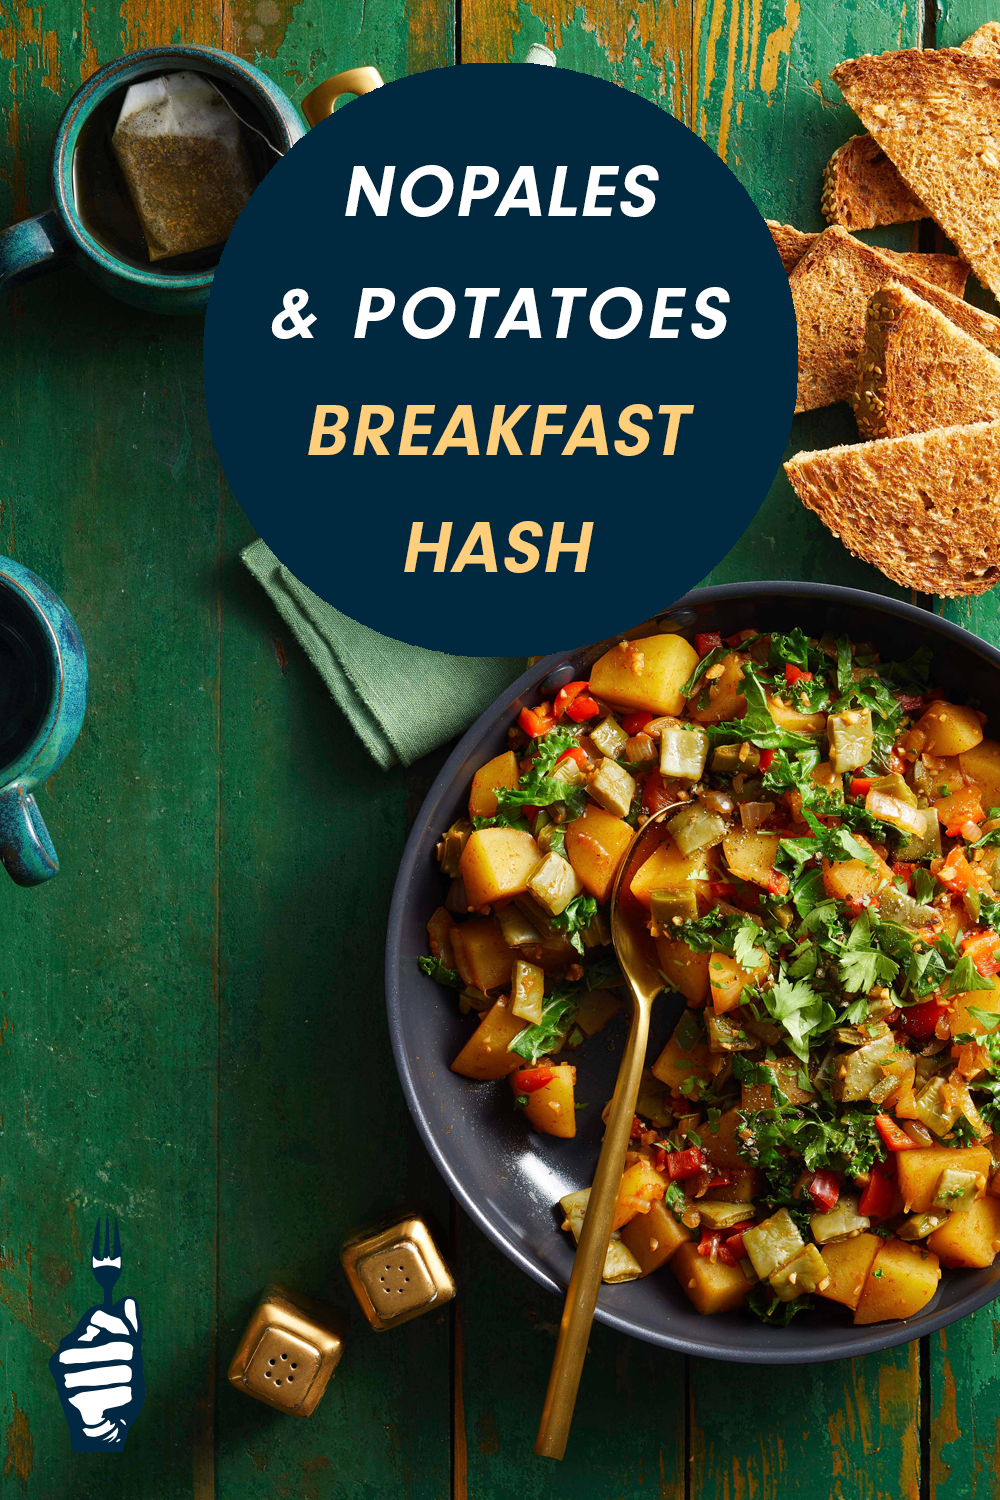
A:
x: 860, y: 786
x: 638, y: 1129
x: 636, y: 723
x: 721, y: 890
x: 739, y: 637
x: 576, y: 753
x: 777, y: 883
x: 957, y: 875
x: 530, y: 1080
x: 905, y: 869
x: 655, y: 794
x: 710, y: 1244
x: 766, y: 757
x: 534, y: 722
x: 794, y: 674
x: 582, y: 708
x: 895, y: 1138
x: 732, y: 1249
x: 565, y: 697
x: 983, y: 946
x: 880, y: 1193
x: 824, y: 1190
x: 909, y: 702
x: 709, y: 640
x: 919, y: 1021
x: 682, y: 1164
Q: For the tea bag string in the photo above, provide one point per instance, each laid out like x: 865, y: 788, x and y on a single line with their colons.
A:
x: 245, y: 123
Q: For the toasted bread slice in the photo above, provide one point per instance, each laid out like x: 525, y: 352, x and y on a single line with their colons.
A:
x: 924, y: 509
x: 831, y: 287
x: 948, y: 271
x: 918, y: 371
x: 861, y: 187
x: 936, y: 115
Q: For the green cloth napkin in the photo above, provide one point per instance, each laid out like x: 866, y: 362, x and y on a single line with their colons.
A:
x: 403, y: 701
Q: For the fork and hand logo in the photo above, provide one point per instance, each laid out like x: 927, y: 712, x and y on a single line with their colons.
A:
x: 98, y: 1367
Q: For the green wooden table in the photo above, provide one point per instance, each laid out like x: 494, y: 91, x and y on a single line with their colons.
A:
x: 192, y: 1029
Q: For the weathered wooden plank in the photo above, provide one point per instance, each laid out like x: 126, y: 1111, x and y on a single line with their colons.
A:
x: 645, y: 46
x: 628, y: 1430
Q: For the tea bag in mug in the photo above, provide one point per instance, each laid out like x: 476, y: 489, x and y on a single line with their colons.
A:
x: 185, y: 162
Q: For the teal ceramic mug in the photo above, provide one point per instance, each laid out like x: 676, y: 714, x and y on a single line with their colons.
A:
x: 43, y: 695
x: 66, y: 234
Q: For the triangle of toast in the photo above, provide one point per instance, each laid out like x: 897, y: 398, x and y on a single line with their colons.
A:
x: 917, y: 370
x: 947, y: 271
x: 924, y: 509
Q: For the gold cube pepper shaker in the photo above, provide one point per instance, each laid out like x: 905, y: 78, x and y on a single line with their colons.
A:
x: 288, y: 1351
x: 397, y: 1272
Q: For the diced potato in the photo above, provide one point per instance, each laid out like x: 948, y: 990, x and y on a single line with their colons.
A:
x: 666, y: 869
x: 787, y: 717
x: 681, y: 1058
x: 648, y: 673
x: 502, y: 770
x: 721, y: 1143
x: 981, y: 765
x: 554, y: 884
x: 619, y: 1263
x: 725, y: 701
x: 685, y: 969
x: 595, y: 846
x: 950, y: 729
x: 787, y: 1071
x: 528, y: 992
x: 481, y: 956
x: 612, y: 788
x: 970, y: 1239
x: 849, y: 1263
x: 654, y: 1237
x: 988, y: 1000
x: 728, y: 980
x: 440, y: 927
x: 804, y: 1273
x: 751, y: 854
x: 595, y: 1009
x: 853, y: 880
x: 919, y: 1171
x: 551, y: 1110
x: 496, y: 864
x: 485, y: 1054
x: 902, y: 1281
x: 772, y: 1243
x: 641, y: 1185
x: 712, y: 1288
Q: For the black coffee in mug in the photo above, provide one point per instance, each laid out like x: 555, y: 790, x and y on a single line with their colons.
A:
x: 25, y: 677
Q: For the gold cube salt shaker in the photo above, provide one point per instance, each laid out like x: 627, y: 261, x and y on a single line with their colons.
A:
x: 288, y: 1351
x: 397, y: 1272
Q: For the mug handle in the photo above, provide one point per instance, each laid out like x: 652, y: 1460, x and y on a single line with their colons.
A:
x: 25, y: 847
x: 317, y: 105
x: 31, y: 248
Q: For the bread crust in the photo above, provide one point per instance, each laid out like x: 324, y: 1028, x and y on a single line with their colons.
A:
x: 923, y: 509
x: 948, y: 271
x: 917, y: 370
x: 862, y: 189
x: 936, y: 115
x: 831, y: 287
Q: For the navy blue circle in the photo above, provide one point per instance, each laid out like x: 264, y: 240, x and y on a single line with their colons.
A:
x: 342, y: 522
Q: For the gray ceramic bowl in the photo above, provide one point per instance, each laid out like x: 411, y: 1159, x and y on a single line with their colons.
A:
x: 506, y: 1177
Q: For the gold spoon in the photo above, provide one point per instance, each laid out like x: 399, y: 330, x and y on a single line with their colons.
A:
x: 637, y: 959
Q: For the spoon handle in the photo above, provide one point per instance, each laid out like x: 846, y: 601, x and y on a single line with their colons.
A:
x: 588, y: 1264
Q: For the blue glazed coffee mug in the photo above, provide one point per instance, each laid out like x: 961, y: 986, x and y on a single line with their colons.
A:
x: 64, y: 235
x: 43, y: 694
